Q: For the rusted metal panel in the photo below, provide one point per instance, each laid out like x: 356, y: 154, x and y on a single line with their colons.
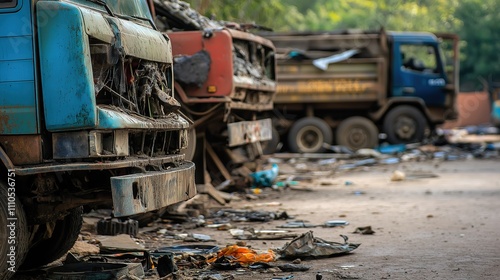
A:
x: 23, y: 149
x: 317, y: 45
x: 351, y: 80
x: 219, y: 46
x: 70, y: 145
x: 139, y: 193
x: 251, y: 37
x: 142, y: 42
x: 249, y: 132
x: 97, y: 26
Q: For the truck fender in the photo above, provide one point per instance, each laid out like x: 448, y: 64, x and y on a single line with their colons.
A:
x: 5, y: 159
x: 396, y: 101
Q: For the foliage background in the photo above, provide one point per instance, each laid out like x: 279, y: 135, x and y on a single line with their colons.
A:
x: 477, y: 22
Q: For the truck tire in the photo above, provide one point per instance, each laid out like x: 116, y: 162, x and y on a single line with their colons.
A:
x: 62, y: 240
x: 404, y: 124
x: 269, y: 147
x: 190, y: 151
x: 20, y: 233
x: 307, y: 135
x: 357, y: 133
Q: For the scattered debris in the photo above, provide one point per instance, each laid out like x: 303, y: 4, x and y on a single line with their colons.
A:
x: 336, y: 223
x: 297, y: 224
x: 195, y: 249
x: 392, y: 149
x: 283, y: 278
x: 307, y: 245
x: 398, y: 176
x: 102, y: 271
x: 115, y: 226
x: 262, y: 234
x: 290, y: 267
x: 265, y: 178
x: 193, y: 237
x: 234, y: 215
x: 119, y: 243
x: 364, y: 230
x: 82, y: 248
x: 242, y: 255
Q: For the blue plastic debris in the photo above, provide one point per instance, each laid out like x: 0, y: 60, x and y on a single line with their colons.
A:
x: 265, y: 178
x: 392, y: 149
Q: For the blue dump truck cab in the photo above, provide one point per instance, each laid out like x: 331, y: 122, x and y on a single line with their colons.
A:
x: 87, y: 117
x: 421, y: 69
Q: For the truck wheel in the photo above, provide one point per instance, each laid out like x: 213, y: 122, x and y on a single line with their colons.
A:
x: 307, y: 135
x: 357, y: 133
x: 62, y: 240
x: 405, y: 124
x: 191, y: 148
x: 18, y: 234
x: 269, y: 147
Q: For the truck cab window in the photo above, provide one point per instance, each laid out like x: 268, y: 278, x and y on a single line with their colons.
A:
x: 8, y: 3
x: 420, y: 58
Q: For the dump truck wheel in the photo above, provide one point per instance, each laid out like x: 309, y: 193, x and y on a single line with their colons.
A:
x: 307, y: 135
x: 404, y: 124
x: 269, y: 147
x: 190, y: 151
x: 15, y: 237
x: 357, y: 133
x: 62, y: 240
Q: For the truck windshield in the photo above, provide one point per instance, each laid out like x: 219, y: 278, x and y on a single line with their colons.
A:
x: 132, y: 8
x: 128, y: 8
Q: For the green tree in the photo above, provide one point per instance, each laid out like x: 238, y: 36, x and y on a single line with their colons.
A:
x: 479, y: 30
x: 269, y: 13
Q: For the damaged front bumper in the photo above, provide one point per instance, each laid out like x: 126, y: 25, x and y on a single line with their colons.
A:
x: 143, y: 192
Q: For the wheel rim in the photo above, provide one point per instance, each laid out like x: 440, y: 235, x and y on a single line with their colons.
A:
x: 406, y: 127
x: 357, y: 137
x: 309, y: 139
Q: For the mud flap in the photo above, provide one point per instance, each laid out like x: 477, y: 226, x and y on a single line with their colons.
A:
x: 143, y: 192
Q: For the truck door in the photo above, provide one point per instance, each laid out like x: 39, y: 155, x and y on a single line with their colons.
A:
x: 18, y: 111
x: 418, y: 72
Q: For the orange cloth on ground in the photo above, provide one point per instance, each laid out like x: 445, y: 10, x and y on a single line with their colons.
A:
x: 244, y: 255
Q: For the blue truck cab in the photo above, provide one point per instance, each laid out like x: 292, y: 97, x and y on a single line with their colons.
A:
x: 424, y: 69
x: 87, y: 117
x: 421, y: 67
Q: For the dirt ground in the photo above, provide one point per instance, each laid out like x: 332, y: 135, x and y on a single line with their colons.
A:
x: 435, y: 228
x: 425, y: 228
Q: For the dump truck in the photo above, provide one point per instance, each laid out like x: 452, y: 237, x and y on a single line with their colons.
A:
x: 225, y: 80
x: 87, y: 117
x: 348, y: 87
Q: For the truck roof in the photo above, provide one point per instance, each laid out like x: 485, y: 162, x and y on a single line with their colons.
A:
x: 417, y: 37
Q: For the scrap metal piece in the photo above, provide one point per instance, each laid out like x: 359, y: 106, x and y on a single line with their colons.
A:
x: 143, y: 192
x: 364, y: 230
x: 291, y: 267
x: 307, y: 245
x: 249, y: 132
x: 256, y: 234
x: 115, y: 227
